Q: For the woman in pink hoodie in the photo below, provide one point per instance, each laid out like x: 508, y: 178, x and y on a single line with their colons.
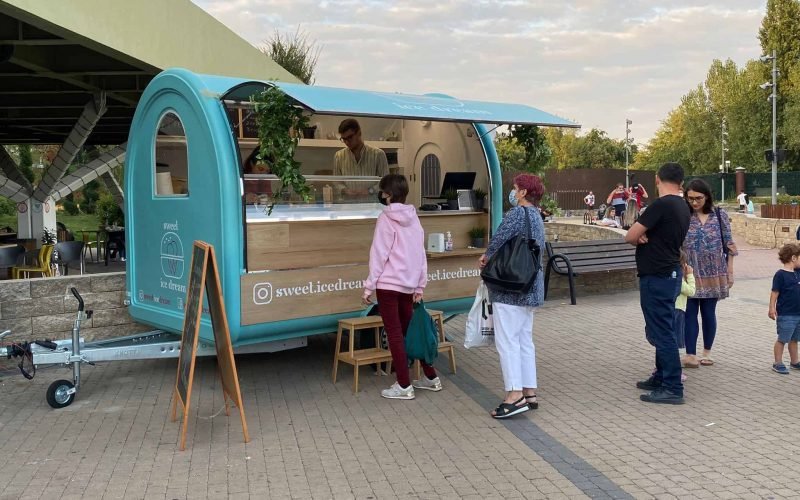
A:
x: 398, y: 273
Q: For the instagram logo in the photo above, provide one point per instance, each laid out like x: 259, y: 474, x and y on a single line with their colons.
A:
x: 262, y: 293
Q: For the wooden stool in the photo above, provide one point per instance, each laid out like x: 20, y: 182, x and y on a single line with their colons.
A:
x: 359, y: 357
x: 444, y: 345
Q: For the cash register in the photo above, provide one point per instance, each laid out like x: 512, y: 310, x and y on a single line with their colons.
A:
x: 458, y: 181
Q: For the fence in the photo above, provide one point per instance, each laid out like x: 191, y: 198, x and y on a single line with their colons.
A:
x: 755, y: 184
x: 780, y: 211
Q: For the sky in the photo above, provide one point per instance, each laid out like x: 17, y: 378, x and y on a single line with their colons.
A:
x: 595, y: 62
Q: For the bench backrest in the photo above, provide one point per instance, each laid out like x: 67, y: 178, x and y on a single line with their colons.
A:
x: 594, y: 255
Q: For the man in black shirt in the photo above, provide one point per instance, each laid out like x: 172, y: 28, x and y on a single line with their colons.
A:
x: 658, y: 236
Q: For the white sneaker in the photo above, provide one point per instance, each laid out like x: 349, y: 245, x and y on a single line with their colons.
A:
x: 397, y: 392
x: 433, y: 384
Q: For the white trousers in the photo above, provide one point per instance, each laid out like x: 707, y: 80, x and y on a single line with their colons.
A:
x: 513, y: 337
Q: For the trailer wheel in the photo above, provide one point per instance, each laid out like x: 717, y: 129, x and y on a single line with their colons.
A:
x: 60, y: 394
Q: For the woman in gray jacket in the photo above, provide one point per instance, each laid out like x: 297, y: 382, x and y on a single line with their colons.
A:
x: 513, y: 312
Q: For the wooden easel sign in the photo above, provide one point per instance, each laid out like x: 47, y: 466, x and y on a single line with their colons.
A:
x: 203, y: 271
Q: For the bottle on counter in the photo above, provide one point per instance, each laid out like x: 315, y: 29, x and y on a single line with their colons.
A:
x: 448, y: 242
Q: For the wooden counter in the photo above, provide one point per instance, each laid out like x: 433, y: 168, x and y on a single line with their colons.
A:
x: 304, y: 244
x: 318, y: 267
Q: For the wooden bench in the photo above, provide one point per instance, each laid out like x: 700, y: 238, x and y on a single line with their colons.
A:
x: 571, y: 258
x: 372, y: 355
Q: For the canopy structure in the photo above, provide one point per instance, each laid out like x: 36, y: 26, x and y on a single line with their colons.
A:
x: 330, y: 100
x: 55, y: 57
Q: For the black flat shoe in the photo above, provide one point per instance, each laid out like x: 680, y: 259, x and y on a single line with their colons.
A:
x: 506, y: 410
x: 662, y: 396
x: 651, y: 384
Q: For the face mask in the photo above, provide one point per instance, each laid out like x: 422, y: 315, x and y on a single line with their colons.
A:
x: 381, y: 199
x: 512, y: 198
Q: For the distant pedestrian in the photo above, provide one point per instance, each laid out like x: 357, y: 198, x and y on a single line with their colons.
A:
x: 589, y: 200
x: 710, y: 247
x: 639, y: 194
x: 658, y: 236
x: 742, y: 199
x: 617, y: 199
x: 784, y: 307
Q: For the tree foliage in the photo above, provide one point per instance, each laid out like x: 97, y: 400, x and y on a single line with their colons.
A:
x: 295, y: 53
x: 692, y: 132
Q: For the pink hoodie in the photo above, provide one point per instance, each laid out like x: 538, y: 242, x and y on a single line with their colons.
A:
x: 397, y: 258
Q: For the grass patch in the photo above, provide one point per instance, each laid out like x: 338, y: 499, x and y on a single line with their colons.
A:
x: 74, y: 223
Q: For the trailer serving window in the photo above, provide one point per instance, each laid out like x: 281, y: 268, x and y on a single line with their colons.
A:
x: 171, y: 163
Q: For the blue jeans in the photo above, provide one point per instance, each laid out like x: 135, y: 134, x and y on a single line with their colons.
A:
x: 708, y: 310
x: 657, y: 297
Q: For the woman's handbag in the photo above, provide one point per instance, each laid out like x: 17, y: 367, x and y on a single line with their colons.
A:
x: 480, y: 327
x: 513, y: 268
x: 725, y: 249
x: 422, y: 338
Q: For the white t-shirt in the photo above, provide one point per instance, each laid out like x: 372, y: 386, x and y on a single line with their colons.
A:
x: 589, y: 200
x: 741, y: 199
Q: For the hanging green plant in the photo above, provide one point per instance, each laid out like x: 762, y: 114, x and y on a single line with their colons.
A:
x: 279, y: 126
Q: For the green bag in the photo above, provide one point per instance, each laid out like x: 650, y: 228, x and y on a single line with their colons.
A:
x: 422, y: 338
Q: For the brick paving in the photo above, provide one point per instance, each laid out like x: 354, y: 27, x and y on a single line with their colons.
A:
x: 590, y: 437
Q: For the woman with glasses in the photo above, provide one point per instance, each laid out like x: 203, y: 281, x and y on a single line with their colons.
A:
x: 710, y: 250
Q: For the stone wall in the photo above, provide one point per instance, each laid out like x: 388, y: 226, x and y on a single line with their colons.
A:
x: 765, y: 233
x: 44, y: 308
x: 593, y: 283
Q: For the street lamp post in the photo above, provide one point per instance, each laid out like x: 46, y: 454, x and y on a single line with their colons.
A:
x: 723, y: 166
x: 774, y: 97
x: 628, y: 123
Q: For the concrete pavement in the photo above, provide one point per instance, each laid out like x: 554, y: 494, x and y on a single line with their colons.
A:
x: 590, y: 437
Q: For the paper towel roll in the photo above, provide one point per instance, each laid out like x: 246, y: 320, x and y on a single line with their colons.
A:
x: 164, y: 183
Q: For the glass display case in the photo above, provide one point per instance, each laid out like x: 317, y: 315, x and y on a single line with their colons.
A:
x: 331, y: 197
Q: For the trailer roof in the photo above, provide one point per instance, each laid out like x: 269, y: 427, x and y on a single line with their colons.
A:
x: 436, y: 107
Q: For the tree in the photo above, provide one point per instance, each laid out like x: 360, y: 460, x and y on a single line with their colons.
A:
x: 295, y: 53
x: 780, y: 31
x: 26, y: 161
x: 525, y: 148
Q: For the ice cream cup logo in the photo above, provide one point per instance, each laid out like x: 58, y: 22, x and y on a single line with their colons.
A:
x: 172, y: 258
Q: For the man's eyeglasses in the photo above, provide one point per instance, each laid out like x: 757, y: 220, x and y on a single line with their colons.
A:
x: 696, y: 199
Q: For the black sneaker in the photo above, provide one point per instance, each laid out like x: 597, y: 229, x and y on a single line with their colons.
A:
x: 651, y: 384
x: 662, y: 396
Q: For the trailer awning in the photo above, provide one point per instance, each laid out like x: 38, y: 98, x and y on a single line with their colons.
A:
x: 436, y: 107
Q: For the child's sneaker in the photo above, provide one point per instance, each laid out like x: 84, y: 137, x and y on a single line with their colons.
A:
x: 795, y: 366
x: 397, y: 392
x: 780, y: 368
x: 433, y: 384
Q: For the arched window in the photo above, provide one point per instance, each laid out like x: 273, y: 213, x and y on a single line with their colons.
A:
x: 431, y: 172
x: 171, y: 165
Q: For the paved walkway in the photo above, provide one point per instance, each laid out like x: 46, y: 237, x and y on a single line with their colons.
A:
x: 591, y: 436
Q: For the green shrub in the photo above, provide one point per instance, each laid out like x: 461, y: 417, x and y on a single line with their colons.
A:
x: 71, y: 207
x: 7, y: 206
x: 108, y: 212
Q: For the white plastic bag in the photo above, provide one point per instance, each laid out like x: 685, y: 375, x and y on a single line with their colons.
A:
x: 480, y: 329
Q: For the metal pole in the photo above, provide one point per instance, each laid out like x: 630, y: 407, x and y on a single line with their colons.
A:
x: 627, y: 145
x: 774, y: 127
x: 722, y: 165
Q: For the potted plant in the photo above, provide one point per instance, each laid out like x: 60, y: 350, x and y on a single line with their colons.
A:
x: 451, y: 195
x: 278, y: 118
x: 480, y: 197
x: 477, y: 235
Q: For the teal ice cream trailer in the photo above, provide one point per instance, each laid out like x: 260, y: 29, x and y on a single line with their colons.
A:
x: 296, y: 271
x: 192, y: 173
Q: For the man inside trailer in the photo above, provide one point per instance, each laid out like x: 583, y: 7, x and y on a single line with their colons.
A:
x: 358, y: 159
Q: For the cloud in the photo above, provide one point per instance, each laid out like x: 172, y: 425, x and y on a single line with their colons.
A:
x: 593, y: 61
